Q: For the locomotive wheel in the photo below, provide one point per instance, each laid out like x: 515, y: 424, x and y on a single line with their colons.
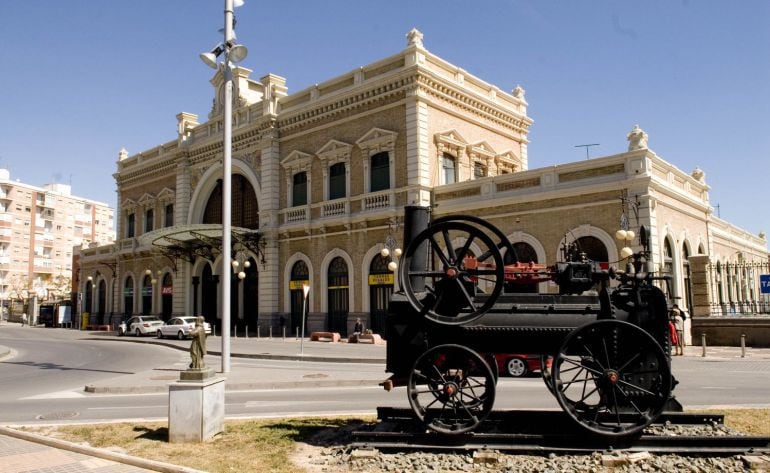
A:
x: 451, y: 283
x: 451, y: 389
x: 611, y: 377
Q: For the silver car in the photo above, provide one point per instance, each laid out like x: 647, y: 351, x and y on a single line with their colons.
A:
x: 180, y: 327
x: 143, y: 325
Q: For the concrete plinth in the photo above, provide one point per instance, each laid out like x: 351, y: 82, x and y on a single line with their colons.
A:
x: 196, y: 410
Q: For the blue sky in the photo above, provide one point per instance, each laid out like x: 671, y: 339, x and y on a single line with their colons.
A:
x: 82, y: 78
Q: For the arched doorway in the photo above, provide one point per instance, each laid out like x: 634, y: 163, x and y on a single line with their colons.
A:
x: 128, y: 297
x: 89, y: 302
x: 209, y: 283
x: 337, y: 278
x: 668, y: 267
x: 147, y: 295
x: 300, y: 275
x: 167, y: 296
x: 381, y: 281
x: 687, y: 273
x: 250, y: 302
x: 594, y: 250
x: 101, y: 299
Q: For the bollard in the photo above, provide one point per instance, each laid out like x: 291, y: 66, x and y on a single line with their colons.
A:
x: 246, y: 333
x: 297, y: 330
x: 213, y: 330
x: 258, y: 327
x: 270, y: 332
x: 743, y: 345
x: 235, y: 332
x: 283, y: 334
x: 703, y: 343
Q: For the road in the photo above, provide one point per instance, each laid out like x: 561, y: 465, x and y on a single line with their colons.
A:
x: 43, y: 383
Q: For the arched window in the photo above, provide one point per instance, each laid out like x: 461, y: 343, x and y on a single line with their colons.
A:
x: 448, y: 169
x: 687, y: 273
x: 147, y: 295
x: 245, y: 209
x: 381, y: 282
x: 380, y: 172
x: 668, y: 266
x: 337, y: 188
x: 337, y: 279
x: 300, y: 276
x: 128, y: 297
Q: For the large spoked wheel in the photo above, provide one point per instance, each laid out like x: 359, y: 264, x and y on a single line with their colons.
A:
x: 451, y: 389
x: 503, y: 243
x: 458, y: 272
x: 612, y: 378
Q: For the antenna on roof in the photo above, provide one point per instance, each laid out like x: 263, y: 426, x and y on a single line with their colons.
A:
x: 586, y: 147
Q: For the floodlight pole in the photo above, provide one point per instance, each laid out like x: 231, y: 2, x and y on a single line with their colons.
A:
x: 226, y: 189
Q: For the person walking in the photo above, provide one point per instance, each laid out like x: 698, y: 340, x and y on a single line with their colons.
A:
x: 678, y: 318
x: 24, y: 319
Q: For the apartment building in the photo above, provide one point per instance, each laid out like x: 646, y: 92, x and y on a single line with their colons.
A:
x: 39, y: 226
x: 320, y: 180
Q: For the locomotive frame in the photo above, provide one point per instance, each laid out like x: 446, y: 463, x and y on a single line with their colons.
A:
x: 611, y: 368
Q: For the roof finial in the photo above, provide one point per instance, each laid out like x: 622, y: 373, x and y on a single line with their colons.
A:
x: 414, y: 37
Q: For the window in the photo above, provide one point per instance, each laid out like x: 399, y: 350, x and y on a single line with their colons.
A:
x: 380, y: 175
x: 169, y: 216
x: 448, y: 169
x: 479, y: 170
x: 337, y: 181
x: 130, y: 222
x: 149, y: 216
x: 299, y: 189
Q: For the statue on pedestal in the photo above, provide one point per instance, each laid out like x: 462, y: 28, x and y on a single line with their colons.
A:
x: 198, y: 345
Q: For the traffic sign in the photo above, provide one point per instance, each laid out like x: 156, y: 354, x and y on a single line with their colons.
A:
x: 764, y: 283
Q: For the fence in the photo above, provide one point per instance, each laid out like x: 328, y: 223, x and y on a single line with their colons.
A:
x: 735, y: 289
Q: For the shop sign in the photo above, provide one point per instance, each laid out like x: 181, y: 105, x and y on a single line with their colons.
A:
x: 764, y: 283
x: 297, y: 285
x: 381, y: 279
x: 167, y: 290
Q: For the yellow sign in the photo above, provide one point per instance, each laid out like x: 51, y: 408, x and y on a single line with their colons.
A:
x: 381, y: 279
x: 297, y: 285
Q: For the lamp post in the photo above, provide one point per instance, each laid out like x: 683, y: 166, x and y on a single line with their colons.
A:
x: 305, y: 292
x: 233, y: 53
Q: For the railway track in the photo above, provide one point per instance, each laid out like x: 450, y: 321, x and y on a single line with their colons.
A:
x: 541, y: 432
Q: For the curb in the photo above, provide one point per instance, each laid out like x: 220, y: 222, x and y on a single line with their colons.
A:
x: 98, y: 452
x: 234, y: 386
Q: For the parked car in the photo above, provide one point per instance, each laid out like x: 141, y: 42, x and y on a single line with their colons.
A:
x: 180, y: 327
x: 140, y: 325
x: 517, y: 365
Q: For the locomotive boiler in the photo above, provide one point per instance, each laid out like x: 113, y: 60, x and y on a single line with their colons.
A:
x: 605, y: 330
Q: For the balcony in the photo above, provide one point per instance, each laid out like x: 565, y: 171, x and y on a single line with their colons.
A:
x: 335, y: 208
x: 296, y: 214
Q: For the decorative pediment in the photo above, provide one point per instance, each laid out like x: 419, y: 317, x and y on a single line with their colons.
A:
x: 166, y: 195
x: 296, y: 161
x: 450, y: 141
x: 507, y: 160
x: 146, y: 199
x: 129, y: 205
x: 334, y: 152
x: 376, y: 140
x: 481, y: 150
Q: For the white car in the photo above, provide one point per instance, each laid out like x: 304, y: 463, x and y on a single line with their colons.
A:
x: 141, y: 325
x: 180, y: 327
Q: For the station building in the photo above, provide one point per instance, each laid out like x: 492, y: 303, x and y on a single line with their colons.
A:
x: 320, y: 181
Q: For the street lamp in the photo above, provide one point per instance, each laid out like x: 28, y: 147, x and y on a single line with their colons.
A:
x: 305, y: 292
x: 233, y: 53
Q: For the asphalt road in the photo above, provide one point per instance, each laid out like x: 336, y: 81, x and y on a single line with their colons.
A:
x: 43, y: 383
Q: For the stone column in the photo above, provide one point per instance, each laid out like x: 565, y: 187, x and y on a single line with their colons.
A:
x: 701, y: 289
x: 183, y: 191
x: 269, y: 201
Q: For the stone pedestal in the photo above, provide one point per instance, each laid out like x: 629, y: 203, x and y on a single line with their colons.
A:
x: 196, y: 408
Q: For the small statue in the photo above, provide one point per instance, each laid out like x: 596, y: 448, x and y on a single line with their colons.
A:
x: 637, y: 139
x: 198, y: 346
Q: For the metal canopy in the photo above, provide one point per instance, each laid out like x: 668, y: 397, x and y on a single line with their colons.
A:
x: 205, y: 241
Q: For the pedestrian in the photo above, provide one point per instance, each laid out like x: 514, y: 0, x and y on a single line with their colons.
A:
x: 358, y: 329
x: 24, y: 319
x: 678, y: 318
x: 673, y: 336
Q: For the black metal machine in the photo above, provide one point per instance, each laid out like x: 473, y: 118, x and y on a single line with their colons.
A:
x: 605, y: 333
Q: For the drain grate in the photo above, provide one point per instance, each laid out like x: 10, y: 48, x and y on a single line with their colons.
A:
x: 58, y: 416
